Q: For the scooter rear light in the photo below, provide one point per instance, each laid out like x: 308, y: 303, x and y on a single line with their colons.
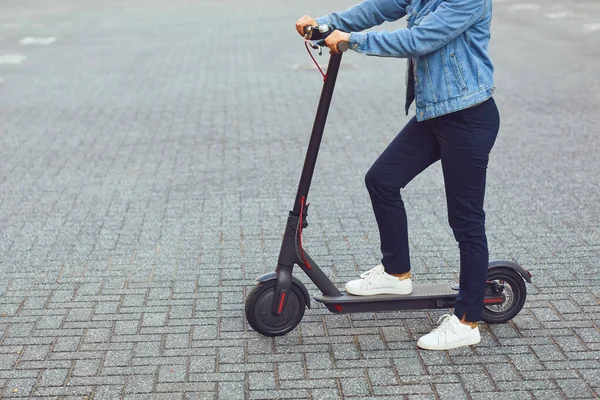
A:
x: 338, y: 308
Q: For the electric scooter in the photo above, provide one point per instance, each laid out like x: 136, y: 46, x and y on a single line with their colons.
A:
x: 276, y: 305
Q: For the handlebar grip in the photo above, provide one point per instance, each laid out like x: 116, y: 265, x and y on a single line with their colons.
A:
x: 342, y: 46
x: 307, y: 31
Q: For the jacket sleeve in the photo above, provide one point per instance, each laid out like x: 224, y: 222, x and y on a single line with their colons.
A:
x: 450, y: 19
x: 365, y: 15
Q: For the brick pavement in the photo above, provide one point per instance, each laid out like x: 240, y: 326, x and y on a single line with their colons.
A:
x: 150, y: 155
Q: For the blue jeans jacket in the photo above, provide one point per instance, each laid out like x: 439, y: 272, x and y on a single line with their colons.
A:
x: 446, y: 43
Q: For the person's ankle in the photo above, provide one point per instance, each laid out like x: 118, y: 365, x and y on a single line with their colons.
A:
x: 403, y: 276
x: 464, y: 322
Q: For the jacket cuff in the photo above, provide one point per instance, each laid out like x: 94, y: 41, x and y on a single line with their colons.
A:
x: 325, y: 20
x: 357, y: 41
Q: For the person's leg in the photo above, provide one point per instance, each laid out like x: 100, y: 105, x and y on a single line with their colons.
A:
x: 466, y: 139
x: 413, y: 150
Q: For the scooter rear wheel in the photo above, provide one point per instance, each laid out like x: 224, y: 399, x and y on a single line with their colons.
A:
x: 514, y: 291
x: 259, y: 312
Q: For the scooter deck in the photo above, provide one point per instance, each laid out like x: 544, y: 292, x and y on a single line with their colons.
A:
x: 424, y: 296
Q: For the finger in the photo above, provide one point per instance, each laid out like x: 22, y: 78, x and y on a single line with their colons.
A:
x: 299, y: 28
x: 332, y: 47
x: 332, y: 42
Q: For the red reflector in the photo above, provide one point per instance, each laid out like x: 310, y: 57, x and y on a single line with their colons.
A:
x: 493, y: 301
x: 281, y: 303
x: 338, y: 308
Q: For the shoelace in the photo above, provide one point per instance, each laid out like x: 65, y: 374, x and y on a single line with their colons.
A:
x: 446, y: 325
x: 370, y: 274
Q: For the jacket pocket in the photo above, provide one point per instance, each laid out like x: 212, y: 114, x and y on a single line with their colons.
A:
x: 460, y: 80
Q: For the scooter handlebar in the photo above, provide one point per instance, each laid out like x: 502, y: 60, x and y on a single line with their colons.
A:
x: 319, y: 33
x: 342, y: 46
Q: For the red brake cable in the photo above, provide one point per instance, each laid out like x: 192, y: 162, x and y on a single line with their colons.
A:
x: 306, y: 44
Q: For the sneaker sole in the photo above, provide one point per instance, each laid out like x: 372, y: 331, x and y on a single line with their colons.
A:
x: 452, y: 346
x: 379, y: 291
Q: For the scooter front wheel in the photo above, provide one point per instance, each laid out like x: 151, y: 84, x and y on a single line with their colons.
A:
x: 259, y: 310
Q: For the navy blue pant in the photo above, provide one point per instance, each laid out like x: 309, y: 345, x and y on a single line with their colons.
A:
x: 462, y: 140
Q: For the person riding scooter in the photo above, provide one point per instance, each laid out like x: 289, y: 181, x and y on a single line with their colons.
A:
x: 450, y: 78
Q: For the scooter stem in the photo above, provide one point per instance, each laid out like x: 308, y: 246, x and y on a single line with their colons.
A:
x: 317, y: 131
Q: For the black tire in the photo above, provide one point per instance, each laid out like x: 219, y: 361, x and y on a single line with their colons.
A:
x: 260, y: 317
x: 514, y: 291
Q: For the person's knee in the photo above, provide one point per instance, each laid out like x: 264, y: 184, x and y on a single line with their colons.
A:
x: 468, y: 229
x: 373, y: 180
x: 382, y: 183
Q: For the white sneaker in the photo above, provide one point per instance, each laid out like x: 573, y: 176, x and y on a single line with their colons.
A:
x: 377, y: 281
x: 450, y: 334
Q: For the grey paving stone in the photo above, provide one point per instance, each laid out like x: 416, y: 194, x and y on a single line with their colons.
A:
x: 53, y: 377
x: 512, y: 395
x: 318, y: 361
x: 185, y: 387
x: 344, y: 351
x: 147, y: 349
x: 66, y: 343
x: 202, y: 364
x: 525, y: 362
x: 355, y: 386
x: 140, y: 383
x: 450, y: 391
x: 126, y: 327
x: 575, y: 388
x: 97, y: 335
x: 231, y: 390
x: 524, y: 385
x: 108, y: 392
x: 290, y: 370
x: 7, y: 361
x: 409, y: 366
x: 231, y: 355
x: 18, y: 387
x: 199, y: 395
x: 86, y: 367
x: 502, y: 372
x: 80, y: 314
x: 325, y: 394
x: 154, y: 319
x: 475, y: 383
x: 382, y: 376
x: 172, y: 373
x: 261, y: 380
x: 591, y: 376
x: 116, y: 358
x: 548, y: 394
x: 548, y: 353
x: 570, y: 344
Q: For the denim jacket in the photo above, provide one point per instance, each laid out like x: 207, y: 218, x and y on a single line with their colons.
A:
x: 446, y: 44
